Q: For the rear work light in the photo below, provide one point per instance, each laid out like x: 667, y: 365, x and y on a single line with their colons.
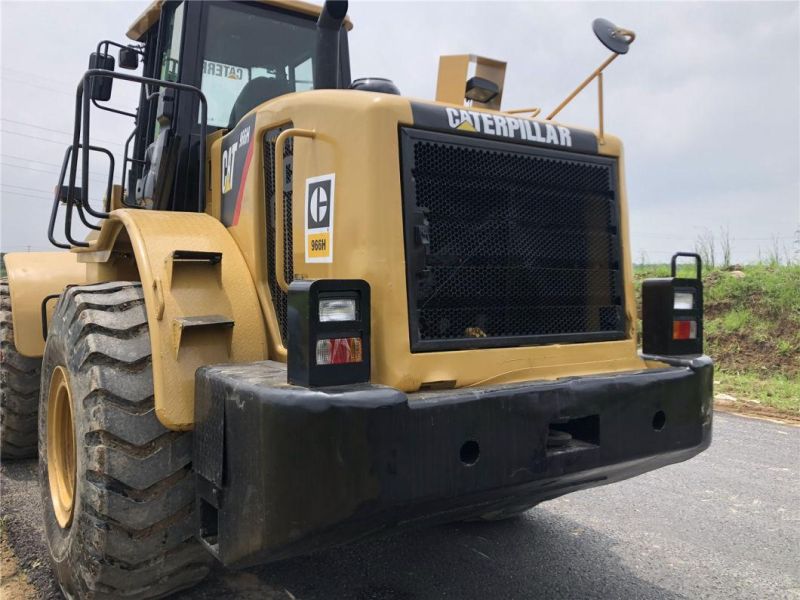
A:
x: 672, y: 312
x: 684, y: 300
x: 328, y: 332
x: 337, y: 309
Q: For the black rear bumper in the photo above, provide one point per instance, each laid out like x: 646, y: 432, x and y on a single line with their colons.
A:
x: 284, y: 470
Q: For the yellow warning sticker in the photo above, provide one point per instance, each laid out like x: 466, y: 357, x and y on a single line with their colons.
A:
x: 318, y: 245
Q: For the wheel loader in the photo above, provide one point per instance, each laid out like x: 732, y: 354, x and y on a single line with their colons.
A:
x: 310, y: 310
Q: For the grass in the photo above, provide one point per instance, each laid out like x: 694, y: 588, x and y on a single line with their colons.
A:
x: 752, y: 330
x: 775, y: 391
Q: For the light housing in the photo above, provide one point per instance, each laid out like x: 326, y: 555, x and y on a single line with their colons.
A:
x: 672, y: 312
x: 328, y: 332
x: 481, y: 90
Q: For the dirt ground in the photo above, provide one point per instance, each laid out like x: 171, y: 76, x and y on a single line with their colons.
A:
x: 757, y: 411
x: 14, y: 584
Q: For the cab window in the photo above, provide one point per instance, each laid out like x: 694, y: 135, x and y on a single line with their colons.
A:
x: 170, y: 58
x: 253, y: 54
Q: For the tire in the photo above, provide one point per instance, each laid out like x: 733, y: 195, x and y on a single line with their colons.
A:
x: 19, y: 389
x: 132, y: 520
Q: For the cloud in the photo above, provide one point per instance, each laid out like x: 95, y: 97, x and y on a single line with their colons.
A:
x: 706, y: 101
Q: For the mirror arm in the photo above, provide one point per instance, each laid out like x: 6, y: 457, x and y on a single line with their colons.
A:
x: 114, y: 110
x: 582, y: 85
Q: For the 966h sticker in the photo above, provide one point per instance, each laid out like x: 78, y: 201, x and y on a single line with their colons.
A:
x: 319, y: 218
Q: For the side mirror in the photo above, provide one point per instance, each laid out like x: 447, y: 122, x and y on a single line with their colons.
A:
x: 100, y: 87
x: 128, y: 58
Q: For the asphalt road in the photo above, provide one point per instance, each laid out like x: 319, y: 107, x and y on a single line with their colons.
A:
x: 725, y: 524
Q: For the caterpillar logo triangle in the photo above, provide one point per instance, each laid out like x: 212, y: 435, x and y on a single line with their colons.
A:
x: 465, y: 126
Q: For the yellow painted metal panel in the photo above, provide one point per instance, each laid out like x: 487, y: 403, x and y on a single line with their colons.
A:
x: 31, y: 277
x: 356, y: 137
x: 175, y: 291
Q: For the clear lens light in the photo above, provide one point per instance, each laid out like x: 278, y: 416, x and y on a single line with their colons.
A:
x: 337, y: 309
x: 684, y: 301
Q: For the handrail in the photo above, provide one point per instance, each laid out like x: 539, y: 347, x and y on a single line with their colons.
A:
x: 59, y: 187
x: 698, y: 263
x: 80, y: 138
x: 280, y: 259
x: 125, y: 161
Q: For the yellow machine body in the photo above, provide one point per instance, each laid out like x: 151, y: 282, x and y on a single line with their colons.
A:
x: 201, y: 313
x: 355, y: 138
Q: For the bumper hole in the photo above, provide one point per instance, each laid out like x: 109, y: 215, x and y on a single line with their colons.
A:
x: 470, y: 451
x: 659, y: 420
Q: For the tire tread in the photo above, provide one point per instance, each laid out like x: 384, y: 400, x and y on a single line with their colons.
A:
x: 137, y: 521
x: 19, y: 389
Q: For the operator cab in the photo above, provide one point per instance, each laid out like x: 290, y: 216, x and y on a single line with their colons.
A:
x: 239, y: 54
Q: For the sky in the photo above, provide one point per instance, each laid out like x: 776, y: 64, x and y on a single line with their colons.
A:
x: 707, y: 101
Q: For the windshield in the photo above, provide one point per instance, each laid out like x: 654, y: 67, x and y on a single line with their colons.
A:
x: 253, y: 44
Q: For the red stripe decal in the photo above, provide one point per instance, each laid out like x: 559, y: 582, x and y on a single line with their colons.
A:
x: 239, y: 197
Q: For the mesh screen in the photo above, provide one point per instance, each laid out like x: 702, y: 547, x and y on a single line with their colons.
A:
x: 279, y: 298
x: 506, y: 243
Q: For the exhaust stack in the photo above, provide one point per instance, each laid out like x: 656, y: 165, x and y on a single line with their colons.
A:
x: 326, y: 59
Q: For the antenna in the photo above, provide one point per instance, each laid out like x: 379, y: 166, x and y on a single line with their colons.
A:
x: 616, y: 39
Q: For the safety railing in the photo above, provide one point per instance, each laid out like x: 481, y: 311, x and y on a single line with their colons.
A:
x: 81, y: 141
x: 60, y: 196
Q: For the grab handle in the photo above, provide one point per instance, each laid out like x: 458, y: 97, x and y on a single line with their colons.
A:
x: 280, y: 259
x: 697, y: 261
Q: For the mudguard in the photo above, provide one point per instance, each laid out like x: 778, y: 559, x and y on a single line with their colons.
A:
x: 201, y: 302
x: 32, y: 276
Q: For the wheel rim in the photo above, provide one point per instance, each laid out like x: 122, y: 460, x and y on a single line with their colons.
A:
x: 61, y: 451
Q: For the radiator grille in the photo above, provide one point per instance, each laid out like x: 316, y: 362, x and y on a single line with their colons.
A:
x: 279, y: 298
x: 508, y: 244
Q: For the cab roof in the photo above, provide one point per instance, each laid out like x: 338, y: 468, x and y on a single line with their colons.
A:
x: 152, y: 14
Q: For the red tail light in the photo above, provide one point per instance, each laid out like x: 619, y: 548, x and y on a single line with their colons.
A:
x: 339, y: 351
x: 684, y: 329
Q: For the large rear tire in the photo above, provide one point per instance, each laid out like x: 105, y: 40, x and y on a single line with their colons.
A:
x: 117, y: 487
x: 19, y: 389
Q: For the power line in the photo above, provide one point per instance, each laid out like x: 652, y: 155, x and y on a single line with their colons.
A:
x: 26, y: 195
x: 33, y: 137
x: 69, y: 133
x: 31, y: 160
x: 96, y: 178
x: 640, y: 235
x: 38, y: 76
x: 22, y: 187
x: 14, y: 192
x: 48, y: 195
x: 34, y: 85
